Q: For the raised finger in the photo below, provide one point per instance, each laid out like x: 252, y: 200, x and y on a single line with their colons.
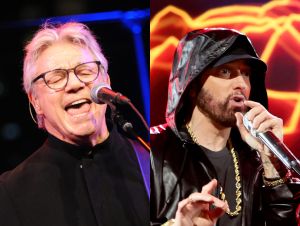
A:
x: 255, y: 109
x: 209, y: 187
x: 251, y: 104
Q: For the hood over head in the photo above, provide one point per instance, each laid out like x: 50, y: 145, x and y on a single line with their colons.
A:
x: 204, y: 48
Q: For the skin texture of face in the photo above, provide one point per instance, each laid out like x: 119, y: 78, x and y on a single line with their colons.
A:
x: 81, y: 124
x: 223, y: 92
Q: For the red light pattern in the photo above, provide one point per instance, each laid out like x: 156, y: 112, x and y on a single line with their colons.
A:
x: 274, y: 30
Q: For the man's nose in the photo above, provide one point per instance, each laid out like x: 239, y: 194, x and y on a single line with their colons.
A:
x: 73, y: 82
x: 241, y: 81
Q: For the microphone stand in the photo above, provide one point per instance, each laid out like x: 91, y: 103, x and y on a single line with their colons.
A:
x: 127, y: 126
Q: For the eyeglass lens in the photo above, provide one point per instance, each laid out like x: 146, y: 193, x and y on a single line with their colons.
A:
x: 86, y: 72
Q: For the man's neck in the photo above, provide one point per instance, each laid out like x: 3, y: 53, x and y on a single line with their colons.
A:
x: 208, y: 133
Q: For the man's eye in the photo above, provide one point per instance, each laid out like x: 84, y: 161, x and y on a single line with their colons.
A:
x: 86, y: 71
x: 55, y: 76
x: 247, y: 73
x: 224, y: 72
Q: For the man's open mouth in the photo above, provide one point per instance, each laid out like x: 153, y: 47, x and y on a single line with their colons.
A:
x: 78, y: 107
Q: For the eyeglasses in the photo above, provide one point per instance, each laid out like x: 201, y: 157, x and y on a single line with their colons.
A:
x: 57, y: 79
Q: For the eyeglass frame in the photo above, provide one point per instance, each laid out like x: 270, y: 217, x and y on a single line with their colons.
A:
x: 68, y: 74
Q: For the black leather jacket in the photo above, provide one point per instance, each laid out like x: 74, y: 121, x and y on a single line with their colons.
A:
x: 179, y: 168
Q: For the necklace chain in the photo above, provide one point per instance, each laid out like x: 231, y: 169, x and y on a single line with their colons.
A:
x: 238, y: 186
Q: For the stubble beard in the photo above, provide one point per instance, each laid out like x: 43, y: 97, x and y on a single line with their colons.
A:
x: 218, y: 111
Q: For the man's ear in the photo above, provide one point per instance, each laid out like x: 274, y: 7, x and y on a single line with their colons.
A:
x: 35, y: 103
x: 104, y: 76
x: 107, y: 79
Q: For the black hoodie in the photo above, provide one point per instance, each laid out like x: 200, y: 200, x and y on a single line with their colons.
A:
x: 179, y: 168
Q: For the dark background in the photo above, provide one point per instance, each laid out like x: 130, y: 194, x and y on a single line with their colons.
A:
x: 19, y: 136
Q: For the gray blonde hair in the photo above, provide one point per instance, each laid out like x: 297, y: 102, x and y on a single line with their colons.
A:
x: 49, y: 34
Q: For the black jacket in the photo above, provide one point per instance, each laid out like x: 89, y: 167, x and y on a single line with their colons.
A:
x: 181, y: 168
x: 65, y: 185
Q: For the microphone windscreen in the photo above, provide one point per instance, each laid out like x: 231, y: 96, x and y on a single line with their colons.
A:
x: 95, y: 92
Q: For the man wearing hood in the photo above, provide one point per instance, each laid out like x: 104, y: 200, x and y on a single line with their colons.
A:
x: 207, y: 169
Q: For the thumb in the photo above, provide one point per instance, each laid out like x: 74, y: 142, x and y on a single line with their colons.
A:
x: 239, y: 123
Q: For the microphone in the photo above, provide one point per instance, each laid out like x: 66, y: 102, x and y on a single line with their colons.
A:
x: 103, y: 94
x: 277, y: 147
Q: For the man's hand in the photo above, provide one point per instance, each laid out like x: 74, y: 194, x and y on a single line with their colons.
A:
x: 261, y: 120
x: 200, y: 209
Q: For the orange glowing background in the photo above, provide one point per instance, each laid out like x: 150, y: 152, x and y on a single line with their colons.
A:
x: 274, y: 29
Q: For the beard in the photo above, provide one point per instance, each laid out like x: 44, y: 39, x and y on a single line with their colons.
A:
x: 218, y: 111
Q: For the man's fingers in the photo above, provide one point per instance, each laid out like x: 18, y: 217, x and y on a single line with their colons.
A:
x: 219, y: 209
x: 259, y: 118
x: 200, y: 207
x: 191, y: 207
x: 239, y: 123
x: 201, y: 197
x: 255, y: 109
x: 274, y: 124
x: 210, y: 187
x: 239, y: 119
x: 262, y: 120
x: 182, y: 204
x: 251, y: 104
x: 207, y: 199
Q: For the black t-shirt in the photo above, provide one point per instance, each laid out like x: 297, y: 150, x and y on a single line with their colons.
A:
x: 223, y: 164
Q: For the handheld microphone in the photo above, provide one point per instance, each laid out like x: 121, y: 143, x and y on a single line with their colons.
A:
x: 103, y: 94
x: 277, y: 147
